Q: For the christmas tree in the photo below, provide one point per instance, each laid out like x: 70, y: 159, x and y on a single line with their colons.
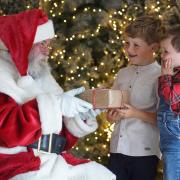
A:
x: 88, y: 48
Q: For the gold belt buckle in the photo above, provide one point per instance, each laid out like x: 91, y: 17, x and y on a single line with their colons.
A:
x: 49, y: 145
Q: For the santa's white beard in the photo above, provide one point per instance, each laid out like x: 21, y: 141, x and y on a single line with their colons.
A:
x: 38, y: 65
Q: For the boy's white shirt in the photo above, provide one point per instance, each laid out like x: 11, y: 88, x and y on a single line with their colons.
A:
x: 132, y: 136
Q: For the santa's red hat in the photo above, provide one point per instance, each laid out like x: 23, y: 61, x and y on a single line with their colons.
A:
x: 18, y: 32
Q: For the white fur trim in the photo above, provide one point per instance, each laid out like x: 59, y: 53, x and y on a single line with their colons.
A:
x: 25, y: 81
x: 8, y: 85
x: 90, y: 171
x: 44, y: 31
x: 14, y: 150
x: 55, y: 167
x: 50, y: 114
x: 30, y: 86
x: 2, y: 46
x: 80, y: 128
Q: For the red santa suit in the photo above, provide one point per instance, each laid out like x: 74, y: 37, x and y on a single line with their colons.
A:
x: 30, y: 108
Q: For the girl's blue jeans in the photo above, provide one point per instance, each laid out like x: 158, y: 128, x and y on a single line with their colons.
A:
x: 169, y: 126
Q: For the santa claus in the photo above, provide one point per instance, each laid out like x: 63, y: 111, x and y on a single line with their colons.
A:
x: 38, y: 121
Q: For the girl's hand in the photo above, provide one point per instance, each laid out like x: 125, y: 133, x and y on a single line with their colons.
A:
x: 166, y: 67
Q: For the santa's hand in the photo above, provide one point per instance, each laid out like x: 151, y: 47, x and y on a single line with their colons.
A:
x: 91, y: 114
x: 71, y: 105
x: 75, y: 92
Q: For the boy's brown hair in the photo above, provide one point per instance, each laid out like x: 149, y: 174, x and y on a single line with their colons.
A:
x: 173, y: 32
x: 147, y: 28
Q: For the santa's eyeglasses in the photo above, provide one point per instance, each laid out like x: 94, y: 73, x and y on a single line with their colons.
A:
x: 45, y: 43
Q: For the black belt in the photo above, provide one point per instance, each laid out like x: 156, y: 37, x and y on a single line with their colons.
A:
x: 50, y: 143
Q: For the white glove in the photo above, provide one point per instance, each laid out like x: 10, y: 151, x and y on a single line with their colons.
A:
x: 91, y: 114
x: 71, y: 105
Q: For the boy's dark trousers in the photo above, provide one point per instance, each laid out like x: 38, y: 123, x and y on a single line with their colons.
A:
x: 133, y: 168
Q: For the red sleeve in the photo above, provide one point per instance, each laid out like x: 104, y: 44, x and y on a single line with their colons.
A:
x: 164, y: 90
x: 170, y: 91
x: 19, y: 124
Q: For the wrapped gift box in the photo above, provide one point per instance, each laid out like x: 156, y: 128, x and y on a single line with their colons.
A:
x: 105, y: 98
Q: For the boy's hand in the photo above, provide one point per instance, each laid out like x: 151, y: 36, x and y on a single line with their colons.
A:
x: 166, y: 67
x: 127, y: 112
x: 113, y: 115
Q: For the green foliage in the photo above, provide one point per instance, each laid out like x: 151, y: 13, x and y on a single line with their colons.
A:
x: 12, y: 7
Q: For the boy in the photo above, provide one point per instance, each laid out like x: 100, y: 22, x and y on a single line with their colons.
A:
x: 169, y: 106
x: 134, y: 150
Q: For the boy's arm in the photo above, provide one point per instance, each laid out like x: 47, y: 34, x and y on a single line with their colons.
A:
x: 149, y: 117
x: 133, y: 112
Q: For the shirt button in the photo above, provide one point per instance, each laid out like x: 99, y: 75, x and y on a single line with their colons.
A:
x: 137, y: 72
